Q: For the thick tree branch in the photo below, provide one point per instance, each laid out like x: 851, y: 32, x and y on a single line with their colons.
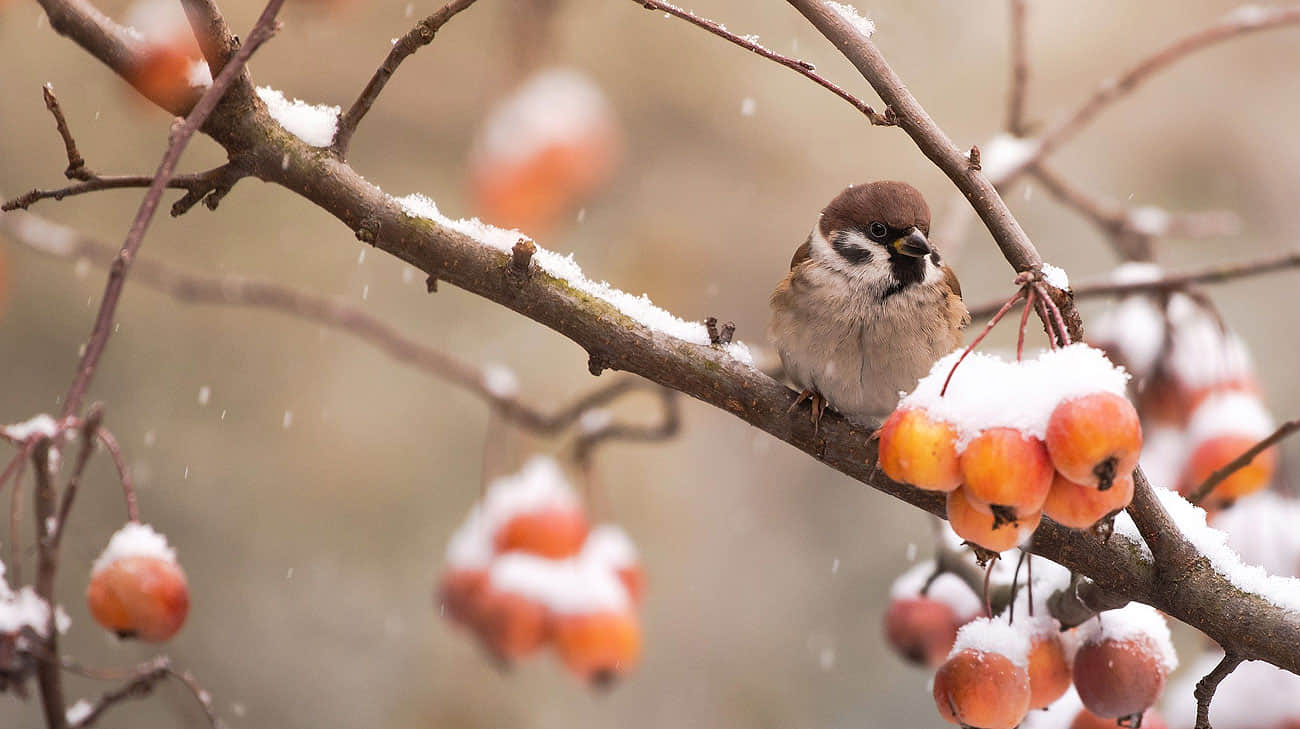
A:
x: 415, y: 39
x: 750, y: 43
x: 1212, y: 274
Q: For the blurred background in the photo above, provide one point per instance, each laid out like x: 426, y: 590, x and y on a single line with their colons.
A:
x: 311, y: 497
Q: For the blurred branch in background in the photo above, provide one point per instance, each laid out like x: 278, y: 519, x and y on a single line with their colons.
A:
x: 750, y: 43
x: 497, y: 388
x: 1216, y: 273
x: 1018, y: 153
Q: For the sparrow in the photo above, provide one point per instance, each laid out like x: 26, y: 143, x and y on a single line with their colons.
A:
x: 868, y: 305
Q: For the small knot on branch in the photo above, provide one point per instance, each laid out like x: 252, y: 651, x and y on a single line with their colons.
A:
x: 431, y: 284
x: 975, y: 157
x: 368, y: 230
x: 521, y: 264
x: 719, y: 337
x: 596, y: 363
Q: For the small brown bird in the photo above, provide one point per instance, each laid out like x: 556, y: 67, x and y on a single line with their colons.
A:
x: 867, y: 307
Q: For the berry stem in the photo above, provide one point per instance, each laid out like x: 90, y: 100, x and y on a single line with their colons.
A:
x: 987, y: 328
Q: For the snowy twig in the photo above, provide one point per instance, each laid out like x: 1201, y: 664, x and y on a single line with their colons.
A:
x: 1206, y: 687
x: 415, y: 39
x: 1243, y: 460
x: 262, y: 31
x: 1235, y: 24
x: 1019, y: 90
x: 1216, y: 273
x: 797, y: 65
x: 212, y: 184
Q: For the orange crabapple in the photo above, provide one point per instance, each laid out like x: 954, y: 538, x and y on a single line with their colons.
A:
x: 982, y: 689
x: 512, y: 626
x: 554, y: 532
x: 1094, y: 438
x: 986, y: 529
x: 1080, y: 507
x: 919, y: 450
x: 598, y: 647
x: 921, y: 630
x: 1049, y: 670
x: 1003, y: 467
x: 1217, y: 452
x: 136, y: 588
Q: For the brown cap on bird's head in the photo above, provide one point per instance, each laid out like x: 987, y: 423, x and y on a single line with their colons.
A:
x: 896, y: 204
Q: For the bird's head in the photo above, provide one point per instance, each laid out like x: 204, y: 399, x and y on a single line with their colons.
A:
x: 877, y: 231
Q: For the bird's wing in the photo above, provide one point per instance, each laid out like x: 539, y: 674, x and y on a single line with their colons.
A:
x: 950, y: 278
x: 958, y: 316
x: 801, y: 254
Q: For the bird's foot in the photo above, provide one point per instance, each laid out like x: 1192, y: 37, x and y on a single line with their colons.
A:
x: 817, y: 404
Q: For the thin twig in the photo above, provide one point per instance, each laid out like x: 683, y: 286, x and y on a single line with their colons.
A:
x: 1243, y: 460
x: 669, y: 424
x: 49, y: 679
x: 1019, y: 91
x: 197, y: 185
x: 139, y: 686
x: 103, y: 328
x: 89, y: 432
x: 415, y: 39
x: 1206, y: 687
x: 76, y: 169
x: 123, y: 473
x: 1216, y: 273
x: 1131, y: 230
x: 975, y: 343
x: 1058, y: 319
x: 750, y: 43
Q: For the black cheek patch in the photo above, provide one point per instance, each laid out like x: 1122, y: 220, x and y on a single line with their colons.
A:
x: 849, y: 252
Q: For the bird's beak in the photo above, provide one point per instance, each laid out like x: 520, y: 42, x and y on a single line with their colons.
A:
x: 913, y: 244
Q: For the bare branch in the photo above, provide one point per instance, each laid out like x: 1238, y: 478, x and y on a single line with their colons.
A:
x: 1206, y: 687
x: 197, y: 186
x: 103, y: 328
x: 66, y: 243
x: 1243, y: 21
x: 1243, y: 460
x: 750, y: 43
x: 123, y: 473
x: 1212, y: 274
x: 415, y: 39
x: 1019, y: 69
x: 76, y: 165
x: 1129, y: 229
x: 89, y: 431
x: 668, y: 426
x: 48, y: 677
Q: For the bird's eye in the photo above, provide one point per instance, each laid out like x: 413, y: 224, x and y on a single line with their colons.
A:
x: 878, y: 231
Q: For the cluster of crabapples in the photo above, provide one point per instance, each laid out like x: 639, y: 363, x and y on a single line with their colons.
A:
x: 525, y: 571
x: 1195, y: 387
x: 137, y: 589
x: 991, y: 672
x: 1010, y: 442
